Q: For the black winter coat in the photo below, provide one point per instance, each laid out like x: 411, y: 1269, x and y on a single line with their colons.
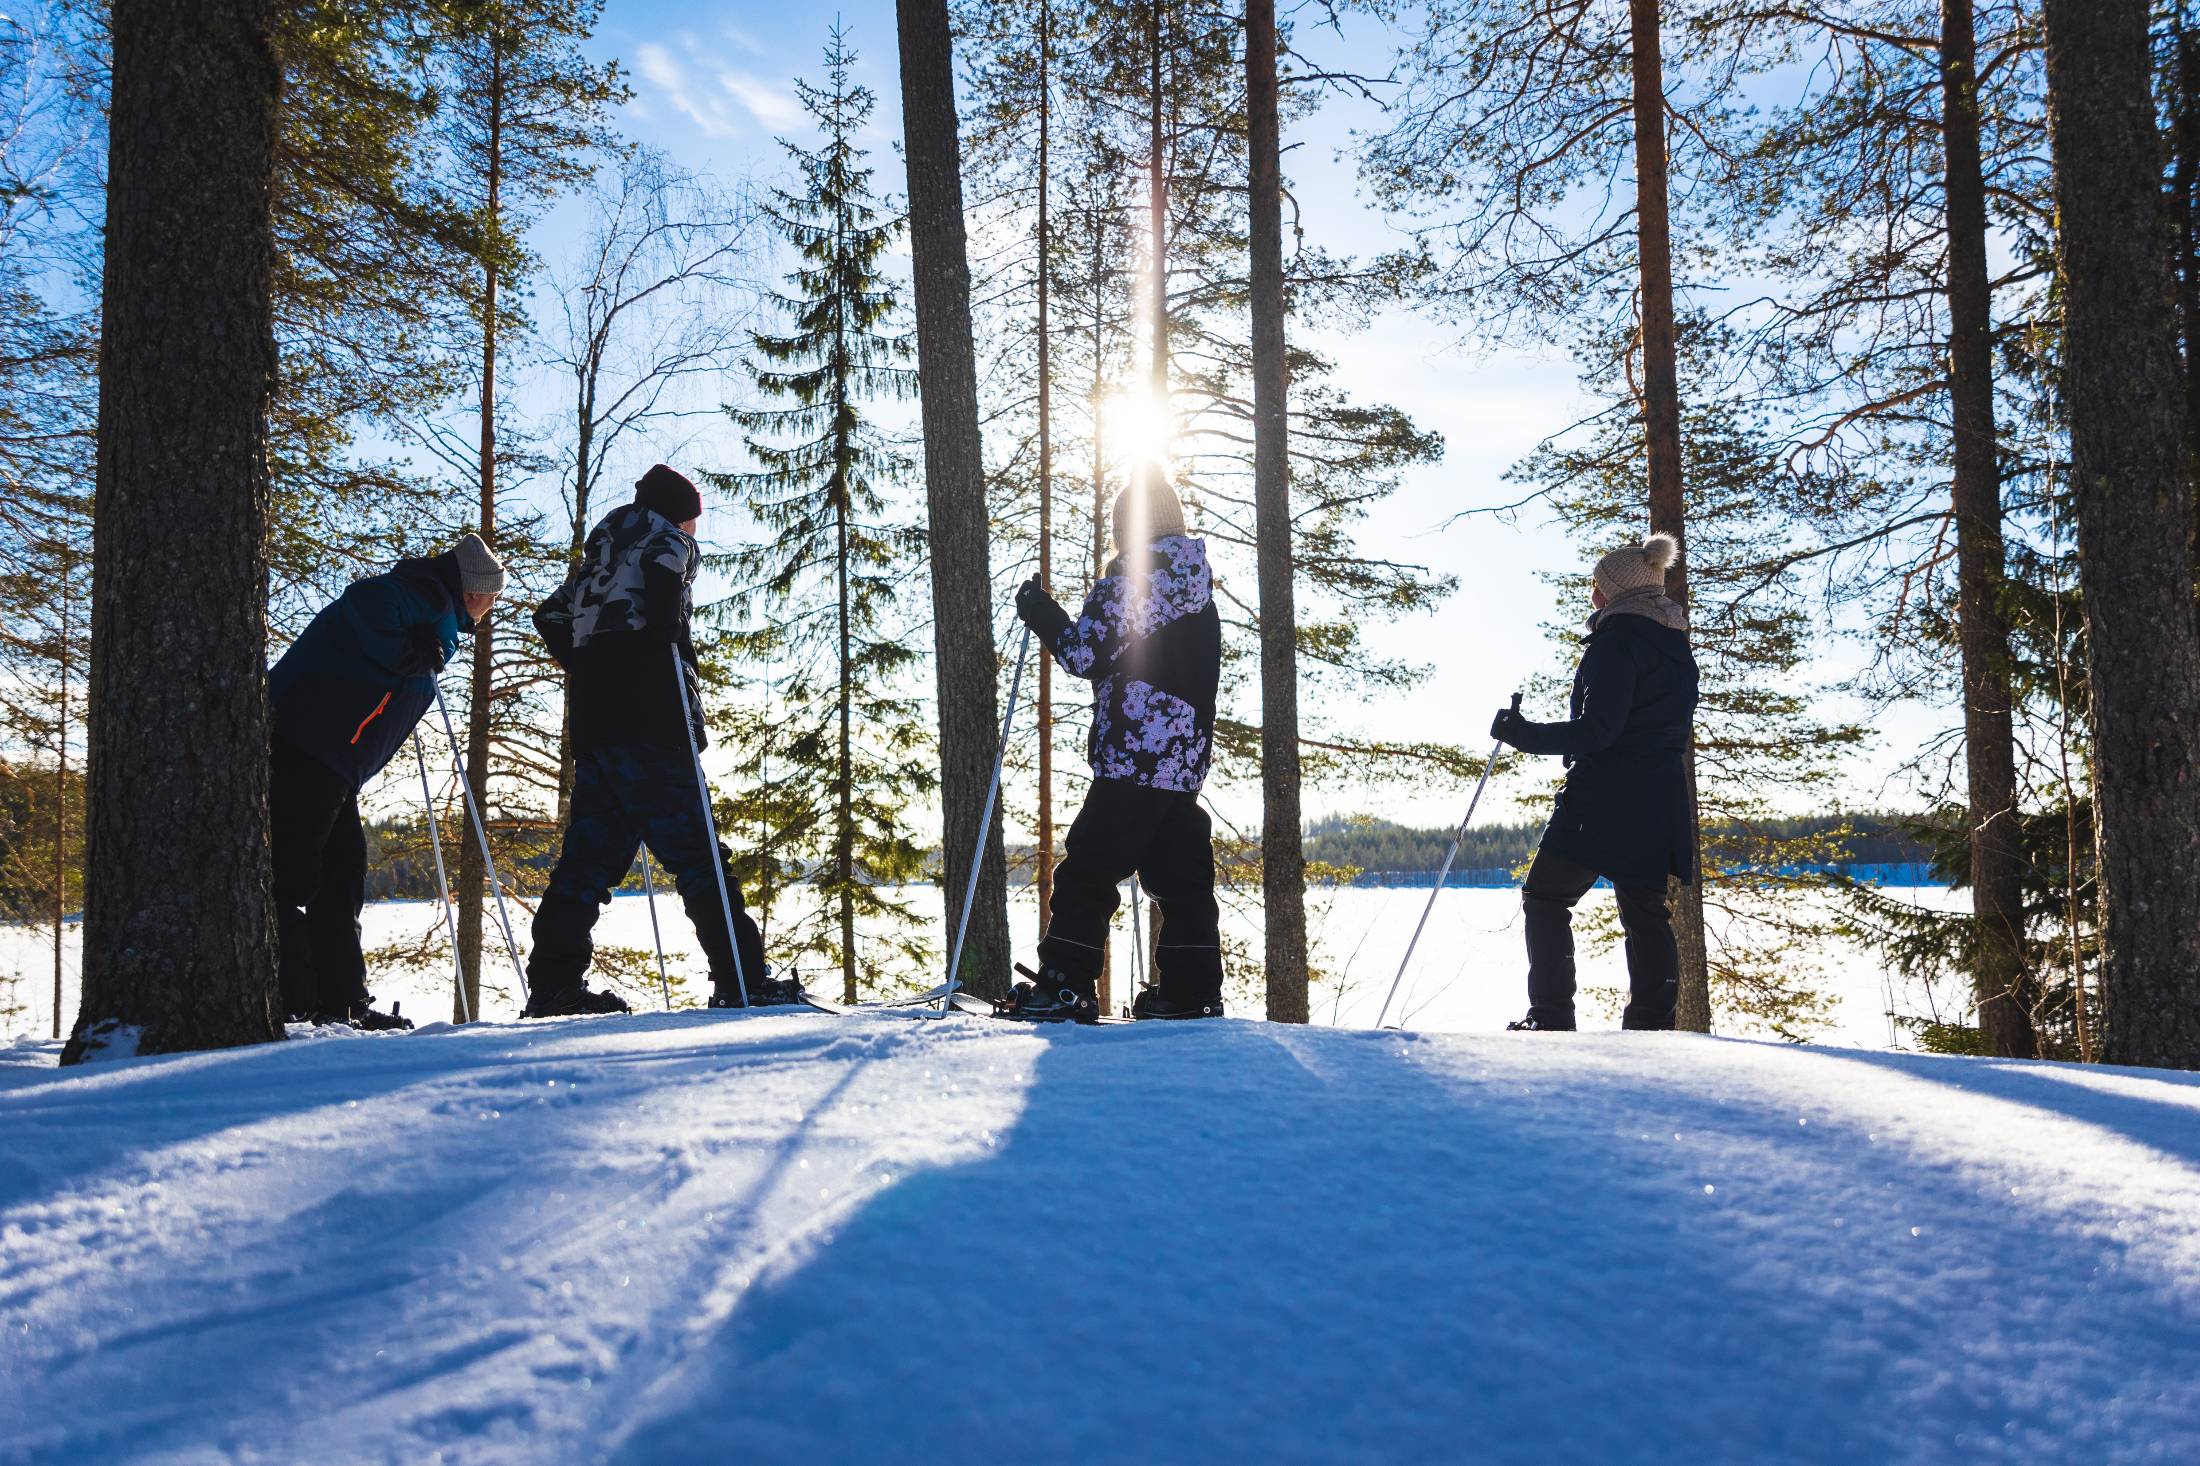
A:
x: 1624, y: 810
x: 609, y: 625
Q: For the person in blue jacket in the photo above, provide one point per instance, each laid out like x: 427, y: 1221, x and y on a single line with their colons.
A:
x: 1624, y: 812
x: 344, y: 698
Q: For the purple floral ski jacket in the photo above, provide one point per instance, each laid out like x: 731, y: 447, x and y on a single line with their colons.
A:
x: 1150, y: 640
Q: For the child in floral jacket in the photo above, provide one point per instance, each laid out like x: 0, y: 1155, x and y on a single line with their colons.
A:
x: 1150, y: 640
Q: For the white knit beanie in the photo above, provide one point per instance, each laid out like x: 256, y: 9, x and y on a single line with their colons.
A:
x: 1638, y: 567
x: 480, y: 572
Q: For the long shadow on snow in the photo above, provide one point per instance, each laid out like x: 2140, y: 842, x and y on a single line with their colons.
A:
x: 90, y: 1120
x: 1231, y: 1242
x: 382, y: 1237
x: 2161, y: 1124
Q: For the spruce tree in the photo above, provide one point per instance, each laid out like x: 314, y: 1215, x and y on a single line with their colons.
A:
x: 820, y: 593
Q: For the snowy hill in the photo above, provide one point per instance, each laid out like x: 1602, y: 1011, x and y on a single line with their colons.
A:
x: 793, y: 1238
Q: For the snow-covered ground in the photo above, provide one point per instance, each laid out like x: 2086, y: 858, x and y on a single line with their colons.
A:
x: 1467, y: 974
x: 785, y: 1237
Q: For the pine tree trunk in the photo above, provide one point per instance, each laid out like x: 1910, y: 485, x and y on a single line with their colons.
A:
x: 1104, y: 991
x: 2185, y: 203
x: 1157, y: 217
x: 844, y: 778
x: 1283, y: 858
x: 1662, y: 422
x: 61, y: 805
x: 179, y: 916
x: 472, y: 869
x: 2134, y: 514
x: 967, y: 661
x: 2000, y: 983
x: 582, y: 484
x: 1044, y: 874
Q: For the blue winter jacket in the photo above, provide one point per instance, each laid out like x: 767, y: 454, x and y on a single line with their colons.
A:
x: 351, y: 688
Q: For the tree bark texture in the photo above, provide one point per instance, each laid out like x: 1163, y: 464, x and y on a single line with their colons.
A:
x: 179, y: 917
x: 1283, y: 857
x: 472, y: 869
x: 1662, y: 427
x: 2001, y: 984
x: 1044, y: 874
x: 966, y: 659
x: 2134, y: 514
x: 1157, y: 220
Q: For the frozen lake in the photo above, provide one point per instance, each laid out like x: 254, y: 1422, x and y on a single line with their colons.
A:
x: 1468, y: 974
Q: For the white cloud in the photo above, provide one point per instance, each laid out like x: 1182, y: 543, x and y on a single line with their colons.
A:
x: 766, y: 103
x: 669, y: 80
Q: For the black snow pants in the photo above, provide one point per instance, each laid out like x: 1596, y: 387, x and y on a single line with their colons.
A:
x: 320, y: 854
x: 622, y: 797
x: 1547, y: 899
x: 1162, y: 836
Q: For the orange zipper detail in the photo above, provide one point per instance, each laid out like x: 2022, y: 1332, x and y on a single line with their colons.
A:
x: 362, y: 728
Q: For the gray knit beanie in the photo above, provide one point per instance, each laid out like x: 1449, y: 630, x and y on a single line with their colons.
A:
x: 1638, y: 567
x: 480, y: 572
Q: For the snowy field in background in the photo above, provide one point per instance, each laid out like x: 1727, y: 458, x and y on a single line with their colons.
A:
x: 789, y: 1238
x: 1468, y: 975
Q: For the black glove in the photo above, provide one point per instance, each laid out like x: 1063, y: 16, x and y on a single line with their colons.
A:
x: 424, y: 652
x: 1030, y: 596
x: 1506, y: 726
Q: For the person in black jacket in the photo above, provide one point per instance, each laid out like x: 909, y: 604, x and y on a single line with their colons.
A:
x: 1624, y: 811
x: 618, y: 626
x: 344, y: 698
x: 1150, y: 640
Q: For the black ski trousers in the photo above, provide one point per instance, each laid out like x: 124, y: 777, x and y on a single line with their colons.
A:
x: 320, y: 854
x: 622, y: 797
x: 1554, y: 885
x: 1164, y: 838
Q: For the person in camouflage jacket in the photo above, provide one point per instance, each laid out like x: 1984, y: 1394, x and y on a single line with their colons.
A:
x: 1150, y: 640
x: 619, y: 625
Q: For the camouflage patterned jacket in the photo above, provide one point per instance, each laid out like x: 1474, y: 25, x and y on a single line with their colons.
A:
x: 1150, y: 640
x: 632, y: 592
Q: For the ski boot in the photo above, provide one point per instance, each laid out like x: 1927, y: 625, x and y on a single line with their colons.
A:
x: 578, y: 1001
x: 1154, y: 1003
x: 363, y: 1016
x: 764, y: 992
x: 1050, y: 996
x: 1532, y: 1024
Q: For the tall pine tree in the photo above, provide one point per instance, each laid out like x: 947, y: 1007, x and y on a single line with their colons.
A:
x: 818, y: 594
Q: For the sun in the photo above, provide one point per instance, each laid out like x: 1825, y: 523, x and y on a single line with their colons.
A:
x: 1138, y: 425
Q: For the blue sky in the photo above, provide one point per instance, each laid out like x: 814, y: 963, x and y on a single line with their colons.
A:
x: 713, y: 88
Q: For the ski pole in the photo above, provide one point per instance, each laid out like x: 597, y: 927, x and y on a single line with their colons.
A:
x: 442, y: 883
x: 1138, y: 938
x: 481, y: 833
x: 649, y: 893
x: 985, y: 824
x: 710, y: 824
x: 1451, y: 855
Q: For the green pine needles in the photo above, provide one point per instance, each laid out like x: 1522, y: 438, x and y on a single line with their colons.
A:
x: 837, y: 748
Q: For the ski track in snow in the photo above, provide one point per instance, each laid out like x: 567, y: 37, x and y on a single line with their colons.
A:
x: 785, y: 1237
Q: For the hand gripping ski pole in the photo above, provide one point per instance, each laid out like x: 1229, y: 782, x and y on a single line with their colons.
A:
x: 985, y: 825
x: 710, y: 825
x: 1452, y: 855
x: 481, y: 833
x: 442, y: 883
x: 649, y: 894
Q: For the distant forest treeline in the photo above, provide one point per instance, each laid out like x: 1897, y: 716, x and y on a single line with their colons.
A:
x: 1379, y: 845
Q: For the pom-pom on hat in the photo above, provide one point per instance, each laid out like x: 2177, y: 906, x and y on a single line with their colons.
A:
x: 480, y: 572
x: 1638, y: 567
x: 668, y: 491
